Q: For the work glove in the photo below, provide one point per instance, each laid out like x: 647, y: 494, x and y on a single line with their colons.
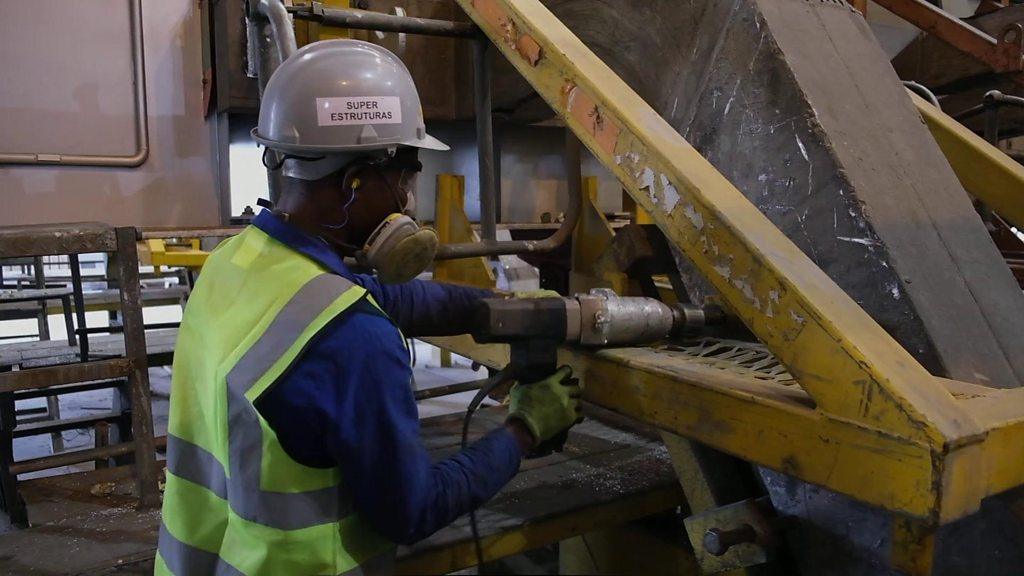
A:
x: 549, y: 406
x: 536, y: 294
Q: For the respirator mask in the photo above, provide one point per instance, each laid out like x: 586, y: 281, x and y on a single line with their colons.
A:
x: 399, y: 249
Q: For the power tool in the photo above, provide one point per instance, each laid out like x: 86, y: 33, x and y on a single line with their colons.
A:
x: 534, y: 328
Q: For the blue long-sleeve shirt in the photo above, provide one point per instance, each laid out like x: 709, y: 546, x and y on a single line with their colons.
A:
x: 347, y: 402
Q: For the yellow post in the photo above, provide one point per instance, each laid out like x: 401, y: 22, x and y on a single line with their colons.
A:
x: 333, y: 32
x: 590, y: 240
x: 637, y: 214
x: 453, y: 226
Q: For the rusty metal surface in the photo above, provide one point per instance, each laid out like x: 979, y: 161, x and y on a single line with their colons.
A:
x: 51, y: 239
x: 1001, y: 51
x: 138, y: 375
x: 959, y: 79
x: 63, y: 374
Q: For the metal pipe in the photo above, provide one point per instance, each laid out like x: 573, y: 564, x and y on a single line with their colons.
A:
x: 166, y: 233
x: 969, y: 112
x: 449, y: 389
x: 281, y: 27
x: 485, y: 139
x: 923, y: 92
x: 367, y: 20
x: 141, y: 153
x: 573, y: 155
x: 991, y: 122
x: 997, y: 97
x: 79, y: 296
x: 69, y: 458
x: 271, y: 40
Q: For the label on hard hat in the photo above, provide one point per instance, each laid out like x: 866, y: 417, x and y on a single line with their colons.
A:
x: 359, y: 110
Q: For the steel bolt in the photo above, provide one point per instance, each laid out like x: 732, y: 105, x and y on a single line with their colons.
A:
x: 717, y: 541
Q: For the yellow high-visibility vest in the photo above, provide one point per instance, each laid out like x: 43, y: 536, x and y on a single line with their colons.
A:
x: 235, y: 502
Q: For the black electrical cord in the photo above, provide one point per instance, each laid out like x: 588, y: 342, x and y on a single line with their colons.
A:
x: 493, y: 382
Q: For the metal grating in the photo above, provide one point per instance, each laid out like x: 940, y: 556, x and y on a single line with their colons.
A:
x: 747, y: 358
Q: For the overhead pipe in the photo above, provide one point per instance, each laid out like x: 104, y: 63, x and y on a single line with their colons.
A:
x: 923, y: 92
x: 271, y: 41
x: 573, y: 159
x: 376, y: 21
x: 485, y: 139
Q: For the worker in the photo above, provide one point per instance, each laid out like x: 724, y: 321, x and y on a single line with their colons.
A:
x: 293, y: 439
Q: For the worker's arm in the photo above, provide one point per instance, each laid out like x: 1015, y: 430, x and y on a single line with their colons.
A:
x: 348, y: 402
x: 424, y: 308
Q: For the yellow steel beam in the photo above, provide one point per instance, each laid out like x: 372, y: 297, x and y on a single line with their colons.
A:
x: 590, y: 240
x: 850, y: 366
x: 777, y: 426
x: 985, y: 172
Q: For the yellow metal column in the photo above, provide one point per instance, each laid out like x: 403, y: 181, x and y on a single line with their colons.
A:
x: 453, y: 226
x: 985, y: 172
x: 590, y: 240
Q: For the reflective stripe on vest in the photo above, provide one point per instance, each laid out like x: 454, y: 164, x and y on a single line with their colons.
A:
x: 186, y: 560
x: 235, y: 502
x: 281, y: 510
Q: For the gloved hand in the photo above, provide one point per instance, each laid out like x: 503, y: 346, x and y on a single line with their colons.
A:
x: 536, y: 294
x: 549, y: 406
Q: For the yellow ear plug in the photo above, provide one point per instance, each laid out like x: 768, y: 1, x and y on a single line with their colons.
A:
x: 356, y: 183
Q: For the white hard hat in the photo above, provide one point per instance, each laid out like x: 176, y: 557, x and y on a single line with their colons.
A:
x: 336, y: 97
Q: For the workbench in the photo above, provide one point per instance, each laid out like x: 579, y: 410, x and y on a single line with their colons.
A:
x: 606, y: 476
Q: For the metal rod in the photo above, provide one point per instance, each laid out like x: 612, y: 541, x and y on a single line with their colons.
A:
x: 367, y: 20
x: 992, y: 123
x: 69, y: 458
x: 165, y: 233
x: 141, y: 153
x: 66, y: 389
x: 76, y: 288
x: 573, y: 155
x: 120, y: 329
x: 484, y: 138
x: 449, y: 389
x: 923, y: 91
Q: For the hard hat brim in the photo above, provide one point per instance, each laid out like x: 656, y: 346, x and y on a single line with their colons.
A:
x: 428, y: 142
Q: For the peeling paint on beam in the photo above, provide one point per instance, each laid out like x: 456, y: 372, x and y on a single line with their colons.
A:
x: 838, y: 354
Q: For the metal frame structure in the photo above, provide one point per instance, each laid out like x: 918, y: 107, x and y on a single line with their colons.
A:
x: 86, y: 374
x: 1002, y: 54
x: 865, y: 418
